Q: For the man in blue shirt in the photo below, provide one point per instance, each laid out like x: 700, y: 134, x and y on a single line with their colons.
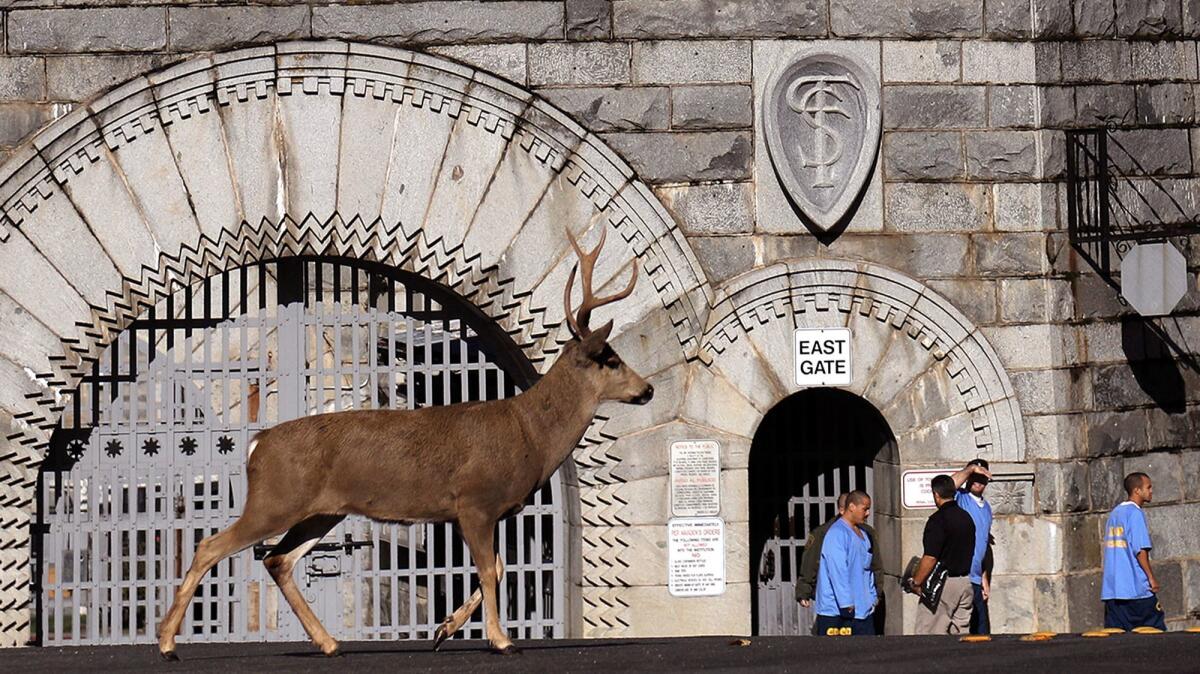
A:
x: 846, y: 594
x: 970, y: 483
x: 1129, y: 589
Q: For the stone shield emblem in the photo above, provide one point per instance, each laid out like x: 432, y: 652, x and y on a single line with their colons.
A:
x: 821, y: 118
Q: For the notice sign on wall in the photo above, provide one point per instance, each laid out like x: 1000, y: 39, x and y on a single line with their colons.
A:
x: 823, y: 357
x: 915, y: 486
x: 696, y: 557
x: 695, y: 478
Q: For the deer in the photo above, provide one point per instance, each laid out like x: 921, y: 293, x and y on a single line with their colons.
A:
x: 471, y: 463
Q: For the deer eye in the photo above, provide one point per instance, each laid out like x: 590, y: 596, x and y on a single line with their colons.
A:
x: 612, y: 362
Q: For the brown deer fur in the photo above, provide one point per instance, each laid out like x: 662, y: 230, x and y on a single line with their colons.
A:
x: 471, y: 463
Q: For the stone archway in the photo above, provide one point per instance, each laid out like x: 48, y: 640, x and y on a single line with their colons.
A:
x: 811, y: 446
x: 275, y: 151
x: 919, y: 360
x: 929, y: 372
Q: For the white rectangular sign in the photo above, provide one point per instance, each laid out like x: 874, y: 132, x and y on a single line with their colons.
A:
x: 915, y: 486
x: 823, y: 357
x: 696, y: 557
x: 695, y: 478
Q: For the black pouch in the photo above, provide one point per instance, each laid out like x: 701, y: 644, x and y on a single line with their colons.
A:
x: 931, y: 591
x: 934, y: 584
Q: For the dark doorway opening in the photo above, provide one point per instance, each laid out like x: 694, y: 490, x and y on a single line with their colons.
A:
x: 812, y: 446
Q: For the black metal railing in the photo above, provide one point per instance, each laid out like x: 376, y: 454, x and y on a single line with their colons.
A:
x: 1115, y: 203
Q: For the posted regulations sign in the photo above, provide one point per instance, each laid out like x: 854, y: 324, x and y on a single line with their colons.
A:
x: 695, y: 478
x: 915, y: 488
x: 696, y: 557
x: 823, y: 357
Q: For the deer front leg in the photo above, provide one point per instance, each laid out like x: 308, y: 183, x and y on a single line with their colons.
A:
x: 244, y: 533
x: 479, y: 533
x: 454, y: 622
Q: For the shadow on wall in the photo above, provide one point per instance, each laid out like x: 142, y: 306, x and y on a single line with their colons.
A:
x: 1156, y: 363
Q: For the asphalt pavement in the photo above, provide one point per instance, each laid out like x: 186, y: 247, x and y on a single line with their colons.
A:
x: 1140, y: 653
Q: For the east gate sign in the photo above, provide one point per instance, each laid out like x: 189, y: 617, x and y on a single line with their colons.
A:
x: 822, y: 357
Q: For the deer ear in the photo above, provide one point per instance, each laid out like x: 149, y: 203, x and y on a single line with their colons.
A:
x: 594, y: 343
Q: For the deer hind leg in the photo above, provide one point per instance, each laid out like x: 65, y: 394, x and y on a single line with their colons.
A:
x: 479, y: 533
x: 282, y: 559
x: 244, y: 533
x: 454, y: 622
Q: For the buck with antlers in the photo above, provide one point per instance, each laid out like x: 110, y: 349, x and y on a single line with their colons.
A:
x: 472, y: 463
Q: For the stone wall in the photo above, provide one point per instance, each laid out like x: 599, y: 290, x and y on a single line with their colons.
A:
x: 969, y: 196
x: 1121, y: 399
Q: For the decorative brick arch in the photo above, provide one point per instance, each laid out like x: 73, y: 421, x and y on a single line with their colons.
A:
x: 276, y: 151
x: 919, y: 360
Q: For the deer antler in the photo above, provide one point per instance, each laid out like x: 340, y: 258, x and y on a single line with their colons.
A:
x: 587, y: 264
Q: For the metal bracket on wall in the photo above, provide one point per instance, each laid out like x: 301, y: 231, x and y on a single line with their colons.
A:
x: 1114, y: 204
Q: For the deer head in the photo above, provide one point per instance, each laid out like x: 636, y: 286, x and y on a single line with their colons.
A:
x: 589, y: 350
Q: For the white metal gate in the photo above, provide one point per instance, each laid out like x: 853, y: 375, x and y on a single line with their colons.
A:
x: 151, y: 452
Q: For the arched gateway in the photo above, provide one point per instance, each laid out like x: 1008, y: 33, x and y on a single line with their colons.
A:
x: 811, y: 447
x: 926, y: 390
x: 150, y: 456
x: 457, y: 184
x: 445, y: 181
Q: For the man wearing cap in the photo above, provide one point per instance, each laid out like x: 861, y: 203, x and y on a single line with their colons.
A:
x: 970, y: 483
x: 1129, y: 589
x: 846, y: 594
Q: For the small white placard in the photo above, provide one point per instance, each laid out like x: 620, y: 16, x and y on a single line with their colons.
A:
x: 823, y: 357
x: 695, y: 478
x: 696, y: 557
x: 915, y: 486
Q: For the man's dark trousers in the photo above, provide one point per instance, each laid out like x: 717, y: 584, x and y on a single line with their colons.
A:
x: 980, y: 622
x: 1127, y: 614
x: 832, y: 626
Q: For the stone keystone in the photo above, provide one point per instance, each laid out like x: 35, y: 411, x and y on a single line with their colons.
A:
x: 821, y: 116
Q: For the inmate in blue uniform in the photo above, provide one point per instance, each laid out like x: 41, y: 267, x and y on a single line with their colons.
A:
x: 982, y: 516
x: 844, y: 579
x: 981, y: 513
x: 1125, y: 589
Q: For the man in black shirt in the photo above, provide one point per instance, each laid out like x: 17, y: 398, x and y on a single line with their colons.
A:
x: 950, y: 539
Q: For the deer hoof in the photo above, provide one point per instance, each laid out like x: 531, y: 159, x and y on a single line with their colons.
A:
x: 334, y: 652
x: 169, y: 656
x: 440, y: 636
x: 510, y: 649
